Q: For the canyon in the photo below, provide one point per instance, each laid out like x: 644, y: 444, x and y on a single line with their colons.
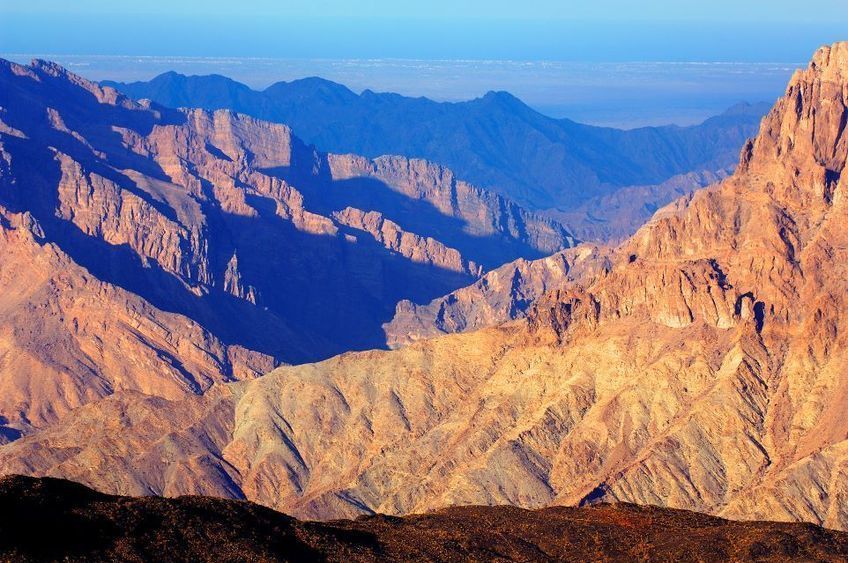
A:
x: 603, y: 183
x: 164, y: 251
x: 698, y: 365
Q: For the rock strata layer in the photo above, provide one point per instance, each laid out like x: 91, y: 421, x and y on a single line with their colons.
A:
x: 605, y: 182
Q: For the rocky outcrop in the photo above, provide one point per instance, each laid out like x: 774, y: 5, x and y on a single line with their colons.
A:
x: 616, y: 216
x: 161, y: 251
x: 409, y: 245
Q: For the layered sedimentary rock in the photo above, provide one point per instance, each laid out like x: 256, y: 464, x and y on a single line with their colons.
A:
x: 414, y: 247
x: 570, y: 169
x: 481, y: 213
x: 161, y: 251
x: 702, y: 367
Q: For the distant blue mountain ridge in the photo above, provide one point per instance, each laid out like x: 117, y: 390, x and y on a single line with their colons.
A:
x: 495, y: 141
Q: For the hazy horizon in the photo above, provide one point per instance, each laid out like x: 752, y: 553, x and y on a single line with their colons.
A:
x: 606, y: 62
x: 623, y: 95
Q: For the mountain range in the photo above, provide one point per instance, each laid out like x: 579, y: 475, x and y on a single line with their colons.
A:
x: 567, y: 169
x: 162, y: 251
x: 698, y: 365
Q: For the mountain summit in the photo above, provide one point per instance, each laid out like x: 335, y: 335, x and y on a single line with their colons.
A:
x: 701, y: 366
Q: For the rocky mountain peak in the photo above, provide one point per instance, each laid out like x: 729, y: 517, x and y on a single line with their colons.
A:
x: 832, y: 59
x: 40, y: 68
x: 802, y: 142
x: 48, y: 67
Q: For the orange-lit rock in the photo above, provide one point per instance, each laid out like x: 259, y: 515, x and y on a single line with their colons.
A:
x: 702, y: 366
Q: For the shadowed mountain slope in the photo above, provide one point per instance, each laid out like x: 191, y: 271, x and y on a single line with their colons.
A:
x: 50, y: 519
x: 161, y: 251
x: 495, y: 141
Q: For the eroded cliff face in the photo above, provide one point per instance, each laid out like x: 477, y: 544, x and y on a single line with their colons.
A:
x: 69, y: 338
x: 572, y: 171
x: 161, y: 251
x: 505, y: 294
x: 703, y: 366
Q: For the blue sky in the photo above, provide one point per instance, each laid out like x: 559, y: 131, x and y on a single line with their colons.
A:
x: 652, y: 10
x: 597, y: 30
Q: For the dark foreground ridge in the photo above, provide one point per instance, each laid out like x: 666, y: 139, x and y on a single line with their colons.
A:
x: 53, y: 519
